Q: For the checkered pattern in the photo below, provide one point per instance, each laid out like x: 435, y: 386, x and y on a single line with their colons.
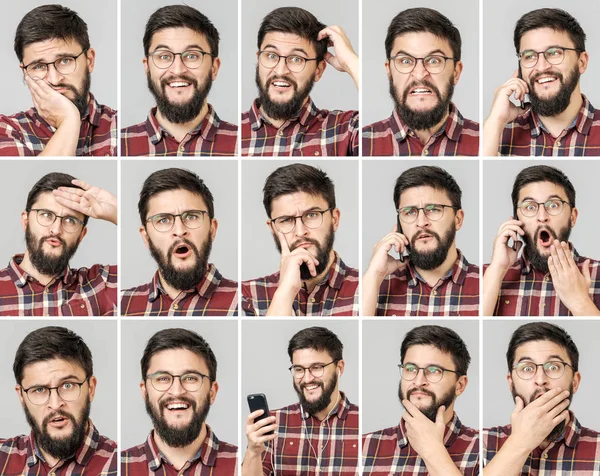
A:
x: 213, y: 137
x: 313, y: 133
x: 26, y: 133
x: 388, y: 452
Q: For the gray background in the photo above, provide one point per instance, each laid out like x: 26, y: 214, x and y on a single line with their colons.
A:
x: 100, y: 337
x: 335, y: 90
x: 377, y: 15
x: 500, y: 61
x: 498, y: 179
x: 497, y: 399
x: 379, y: 215
x: 381, y: 407
x: 265, y: 361
x: 220, y: 176
x: 136, y: 99
x: 221, y: 336
x: 99, y: 246
x: 259, y: 255
x: 101, y: 19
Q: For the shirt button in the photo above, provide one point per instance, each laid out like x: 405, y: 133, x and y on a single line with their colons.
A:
x: 312, y: 299
x: 507, y: 302
x: 280, y: 133
x: 545, y: 455
x: 434, y: 293
x: 82, y: 305
x: 557, y: 143
x: 316, y: 152
x: 547, y: 278
x: 291, y: 443
x: 182, y: 149
x: 175, y: 306
x: 543, y: 305
x: 425, y: 152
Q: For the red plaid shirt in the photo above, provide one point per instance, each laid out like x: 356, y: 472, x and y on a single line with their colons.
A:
x: 391, y: 136
x: 74, y: 292
x: 575, y: 452
x: 97, y: 456
x: 388, y: 452
x: 526, y: 291
x: 313, y: 132
x: 26, y: 133
x: 212, y: 137
x: 214, y: 296
x: 405, y: 293
x: 309, y: 447
x: 214, y: 458
x: 526, y: 135
x: 336, y: 295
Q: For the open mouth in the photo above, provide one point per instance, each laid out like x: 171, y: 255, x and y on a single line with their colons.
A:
x: 546, y: 79
x: 58, y: 421
x: 312, y: 387
x: 177, y: 406
x: 182, y: 251
x: 420, y: 91
x: 545, y: 238
x: 179, y: 84
x: 281, y: 85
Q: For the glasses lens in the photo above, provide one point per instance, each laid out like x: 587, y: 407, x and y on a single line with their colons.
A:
x: 163, y: 222
x: 37, y: 70
x: 317, y: 370
x: 408, y: 371
x: 434, y: 212
x: 163, y: 59
x: 554, y: 369
x: 526, y: 370
x: 529, y: 209
x: 529, y: 58
x: 434, y: 64
x: 554, y: 55
x: 285, y: 224
x: 553, y: 207
x: 45, y: 217
x: 408, y: 214
x: 404, y: 64
x: 269, y: 59
x: 162, y: 382
x: 69, y: 391
x: 295, y: 63
x: 38, y: 395
x: 297, y: 371
x: 192, y: 59
x: 70, y: 224
x: 192, y: 382
x: 65, y: 65
x: 312, y: 219
x: 433, y: 374
x: 192, y: 219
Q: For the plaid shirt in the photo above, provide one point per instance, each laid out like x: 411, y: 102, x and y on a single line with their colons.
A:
x: 312, y: 132
x: 214, y: 458
x: 310, y: 447
x: 388, y: 452
x: 405, y: 293
x: 212, y: 137
x: 97, y: 456
x: 74, y: 292
x: 391, y: 136
x: 214, y: 296
x: 575, y: 452
x: 26, y: 133
x: 336, y: 295
x: 526, y: 135
x: 526, y: 291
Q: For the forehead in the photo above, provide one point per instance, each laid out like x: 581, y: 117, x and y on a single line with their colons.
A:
x: 542, y: 38
x: 179, y: 39
x: 40, y: 373
x: 176, y: 361
x: 306, y: 357
x: 296, y: 202
x: 420, y: 43
x: 47, y: 201
x: 50, y: 49
x: 541, y: 191
x: 423, y: 195
x: 286, y: 43
x: 426, y: 355
x: 173, y: 201
x: 540, y: 351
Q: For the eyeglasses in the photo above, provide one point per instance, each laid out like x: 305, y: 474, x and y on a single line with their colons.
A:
x: 295, y: 63
x: 553, y: 369
x: 406, y: 64
x: 554, y: 55
x: 192, y: 59
x: 316, y: 370
x: 191, y: 381
x: 64, y: 65
x: 47, y: 218
x: 163, y: 222
x: 311, y: 219
x: 432, y: 373
x: 433, y: 211
x: 68, y: 391
x: 529, y: 208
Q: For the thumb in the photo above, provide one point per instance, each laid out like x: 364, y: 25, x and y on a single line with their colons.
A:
x: 519, y: 405
x: 586, y: 270
x: 439, y: 418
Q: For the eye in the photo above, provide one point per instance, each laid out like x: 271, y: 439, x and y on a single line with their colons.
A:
x: 163, y: 378
x: 38, y: 390
x: 434, y: 60
x: 192, y: 55
x: 297, y: 369
x: 65, y: 60
x: 529, y: 206
x: 191, y: 378
x: 163, y: 219
x: 70, y: 220
x: 37, y: 67
x: 67, y: 386
x: 165, y: 56
x: 554, y: 51
x: 528, y: 55
x: 411, y: 368
x: 193, y: 216
x: 432, y: 369
x: 527, y: 368
x: 311, y: 215
x: 295, y: 59
x: 409, y: 212
x: 553, y: 204
x: 272, y: 56
x: 405, y: 60
x: 316, y: 368
x: 284, y: 220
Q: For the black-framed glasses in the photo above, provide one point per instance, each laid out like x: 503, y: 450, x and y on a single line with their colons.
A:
x: 295, y: 63
x: 192, y: 59
x: 432, y: 373
x: 68, y: 391
x: 311, y: 219
x: 554, y: 55
x: 406, y: 64
x: 554, y: 206
x: 64, y: 65
x: 553, y: 369
x: 316, y: 370
x: 163, y: 222
x: 46, y: 218
x: 190, y: 381
x: 433, y: 212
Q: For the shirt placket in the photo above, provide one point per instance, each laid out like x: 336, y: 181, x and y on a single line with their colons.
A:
x: 546, y: 294
x: 313, y: 302
x: 181, y: 148
x: 323, y: 438
x: 177, y: 306
x: 546, y: 464
x: 280, y: 141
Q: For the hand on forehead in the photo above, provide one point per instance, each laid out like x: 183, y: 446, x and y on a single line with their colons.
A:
x: 47, y: 201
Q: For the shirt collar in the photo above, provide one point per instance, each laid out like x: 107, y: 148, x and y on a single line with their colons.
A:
x: 93, y: 114
x: 343, y: 409
x: 525, y: 262
x: 205, y: 288
x: 304, y: 116
x: 451, y: 433
x: 572, y: 431
x: 583, y: 121
x: 337, y: 273
x: 207, y: 128
x: 458, y: 272
x: 20, y: 277
x: 452, y: 127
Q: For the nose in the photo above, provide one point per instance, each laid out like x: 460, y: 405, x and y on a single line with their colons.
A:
x: 56, y: 227
x: 420, y: 72
x: 178, y: 67
x: 301, y: 229
x: 55, y: 401
x: 176, y: 388
x: 542, y: 64
x: 307, y: 377
x: 281, y: 68
x: 420, y: 380
x: 542, y: 214
x: 422, y: 220
x: 53, y: 76
x: 179, y: 229
x: 540, y: 378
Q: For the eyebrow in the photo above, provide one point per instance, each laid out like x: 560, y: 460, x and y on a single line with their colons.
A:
x: 432, y: 364
x: 311, y: 209
x: 314, y: 363
x: 57, y: 56
x: 550, y: 197
x: 62, y: 379
x: 193, y: 46
x: 550, y: 357
x: 433, y: 52
x: 297, y: 49
x: 187, y: 371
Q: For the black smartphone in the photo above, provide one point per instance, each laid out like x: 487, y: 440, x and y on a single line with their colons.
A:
x: 526, y: 101
x: 258, y: 401
x: 406, y: 248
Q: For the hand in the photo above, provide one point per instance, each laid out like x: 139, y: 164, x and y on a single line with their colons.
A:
x: 91, y: 201
x: 345, y: 59
x: 52, y: 105
x: 425, y: 436
x: 289, y: 267
x: 255, y: 432
x: 503, y: 111
x: 382, y: 263
x: 503, y: 255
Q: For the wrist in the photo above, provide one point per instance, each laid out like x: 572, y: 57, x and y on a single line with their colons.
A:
x: 519, y: 447
x: 373, y: 278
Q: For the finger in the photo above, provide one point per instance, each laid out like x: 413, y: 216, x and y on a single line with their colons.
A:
x: 285, y: 249
x: 550, y: 399
x: 325, y: 32
x: 439, y: 418
x: 585, y: 270
x: 560, y: 418
x: 81, y: 183
x: 330, y: 58
x: 567, y: 254
x: 265, y: 429
x: 519, y: 405
x: 256, y: 413
x: 266, y: 438
x: 552, y: 268
x: 562, y: 256
x: 407, y: 417
x: 33, y: 86
x: 558, y: 409
x: 556, y: 260
x: 411, y: 408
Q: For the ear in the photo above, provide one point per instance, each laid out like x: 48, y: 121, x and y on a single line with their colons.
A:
x: 24, y: 220
x: 574, y: 215
x: 144, y: 234
x: 461, y: 385
x: 91, y: 58
x: 92, y: 383
x: 576, y: 382
x: 214, y: 389
x: 20, y: 394
x: 143, y: 389
x: 82, y: 234
x: 583, y: 61
x: 320, y: 70
x: 214, y: 224
x: 458, y: 67
x: 335, y: 215
x: 387, y: 70
x: 510, y: 381
x: 340, y: 367
x: 214, y: 70
x: 459, y: 218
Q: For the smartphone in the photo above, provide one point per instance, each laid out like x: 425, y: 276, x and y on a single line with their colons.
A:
x: 258, y: 401
x: 406, y: 248
x: 526, y: 101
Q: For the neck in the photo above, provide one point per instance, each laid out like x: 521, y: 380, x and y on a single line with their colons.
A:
x: 28, y: 267
x: 432, y: 276
x: 178, y: 457
x: 312, y: 282
x: 323, y: 414
x: 557, y: 124
x: 180, y: 130
x: 425, y: 134
x: 170, y: 290
x: 278, y: 122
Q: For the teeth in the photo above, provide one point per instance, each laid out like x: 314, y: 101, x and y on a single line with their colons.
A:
x: 311, y: 387
x: 281, y: 84
x: 420, y: 91
x: 178, y: 84
x: 177, y: 406
x: 545, y: 80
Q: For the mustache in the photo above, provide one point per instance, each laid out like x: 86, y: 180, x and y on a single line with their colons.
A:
x: 189, y: 79
x: 312, y: 241
x: 419, y: 389
x: 282, y: 78
x: 423, y: 82
x: 423, y: 232
x: 61, y: 413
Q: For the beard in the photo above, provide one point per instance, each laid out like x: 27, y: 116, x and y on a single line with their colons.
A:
x: 48, y: 265
x: 431, y: 410
x: 556, y: 104
x: 431, y: 259
x: 539, y: 260
x: 60, y: 448
x: 323, y: 401
x: 81, y: 99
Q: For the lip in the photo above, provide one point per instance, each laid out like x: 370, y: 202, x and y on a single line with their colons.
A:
x: 546, y: 79
x: 53, y: 242
x: 305, y: 244
x: 420, y: 394
x: 420, y: 91
x: 541, y: 242
x: 182, y: 255
x: 59, y: 424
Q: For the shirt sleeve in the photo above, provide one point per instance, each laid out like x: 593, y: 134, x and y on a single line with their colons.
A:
x: 355, y: 134
x: 11, y: 141
x: 247, y: 306
x: 267, y: 460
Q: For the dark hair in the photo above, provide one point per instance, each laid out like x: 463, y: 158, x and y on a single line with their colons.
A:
x: 181, y: 16
x: 554, y: 18
x: 50, y: 182
x: 417, y: 20
x: 541, y: 173
x: 177, y: 338
x: 174, y: 179
x: 50, y: 22
x: 443, y: 339
x: 297, y: 178
x: 294, y: 20
x: 49, y: 343
x: 317, y: 338
x: 428, y: 176
x: 542, y: 331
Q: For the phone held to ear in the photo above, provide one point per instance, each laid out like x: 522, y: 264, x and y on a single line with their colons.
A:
x: 525, y: 102
x: 258, y: 401
x: 401, y: 254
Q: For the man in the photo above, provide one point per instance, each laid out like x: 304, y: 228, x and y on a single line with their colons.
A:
x: 56, y: 385
x: 435, y: 278
x: 559, y: 119
x: 185, y: 283
x: 544, y: 436
x: 549, y: 278
x: 54, y: 52
x: 181, y: 60
x: 312, y: 279
x: 40, y: 281
x: 179, y: 384
x: 425, y: 121
x: 430, y: 438
x: 292, y: 55
x: 319, y: 434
